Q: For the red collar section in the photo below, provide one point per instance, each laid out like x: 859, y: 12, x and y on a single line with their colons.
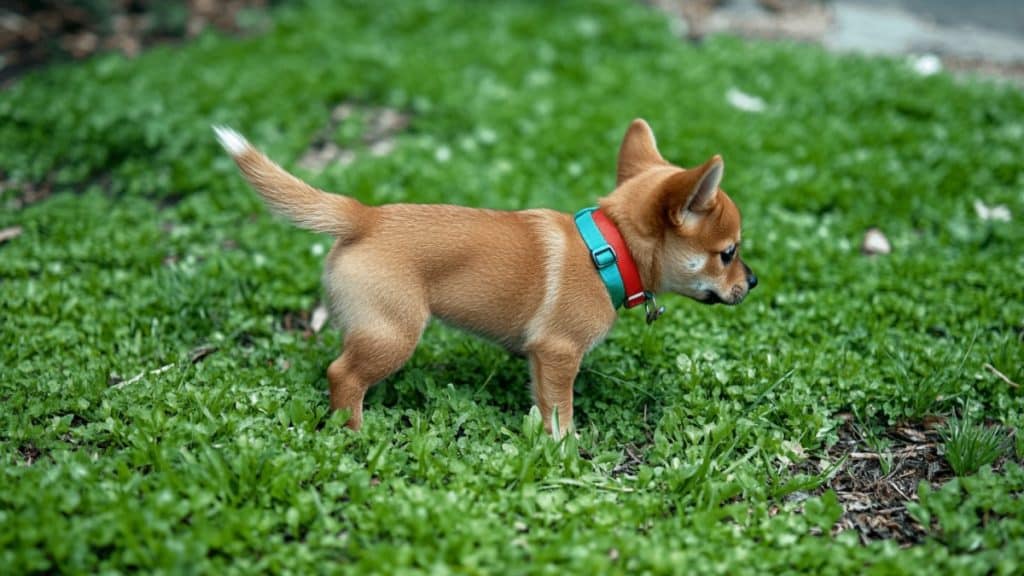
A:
x: 635, y: 294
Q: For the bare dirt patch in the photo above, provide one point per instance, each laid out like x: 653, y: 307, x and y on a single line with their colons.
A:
x: 25, y: 193
x: 965, y: 44
x: 804, y: 20
x: 382, y: 125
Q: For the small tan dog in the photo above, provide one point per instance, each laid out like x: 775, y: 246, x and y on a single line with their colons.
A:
x: 531, y: 280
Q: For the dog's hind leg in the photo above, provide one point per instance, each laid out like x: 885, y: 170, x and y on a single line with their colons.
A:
x: 370, y: 354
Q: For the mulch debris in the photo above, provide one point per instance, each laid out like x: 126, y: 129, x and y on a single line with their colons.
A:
x: 874, y: 487
x: 308, y: 322
x: 29, y: 453
x: 631, y: 461
x: 32, y: 34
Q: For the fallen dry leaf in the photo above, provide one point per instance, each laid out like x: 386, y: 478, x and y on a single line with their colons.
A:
x: 10, y: 233
x: 997, y: 212
x: 316, y: 323
x: 742, y: 101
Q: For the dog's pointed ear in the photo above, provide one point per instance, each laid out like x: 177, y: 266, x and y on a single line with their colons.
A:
x: 638, y: 152
x: 693, y: 191
x: 704, y: 194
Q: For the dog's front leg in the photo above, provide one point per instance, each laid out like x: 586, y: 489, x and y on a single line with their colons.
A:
x: 553, y: 369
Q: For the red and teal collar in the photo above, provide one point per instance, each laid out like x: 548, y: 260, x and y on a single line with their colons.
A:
x: 614, y: 262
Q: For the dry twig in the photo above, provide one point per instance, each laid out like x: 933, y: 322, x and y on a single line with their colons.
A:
x: 1001, y: 376
x: 142, y: 374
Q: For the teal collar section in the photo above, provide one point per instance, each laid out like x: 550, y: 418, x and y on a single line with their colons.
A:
x: 602, y: 254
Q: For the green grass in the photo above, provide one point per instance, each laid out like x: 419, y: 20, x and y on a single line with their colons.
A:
x: 152, y: 246
x: 970, y: 446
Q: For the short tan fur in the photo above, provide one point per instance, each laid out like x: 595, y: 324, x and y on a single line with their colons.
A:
x: 524, y: 279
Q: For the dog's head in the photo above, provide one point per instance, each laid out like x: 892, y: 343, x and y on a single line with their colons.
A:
x: 682, y: 229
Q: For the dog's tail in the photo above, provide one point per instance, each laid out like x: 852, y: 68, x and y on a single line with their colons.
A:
x: 287, y: 195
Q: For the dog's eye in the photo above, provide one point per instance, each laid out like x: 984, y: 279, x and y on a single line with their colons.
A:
x: 728, y: 255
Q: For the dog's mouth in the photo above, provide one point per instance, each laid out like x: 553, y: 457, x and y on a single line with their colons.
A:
x: 711, y: 297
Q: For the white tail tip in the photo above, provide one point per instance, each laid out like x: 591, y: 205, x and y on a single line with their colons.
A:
x: 232, y: 141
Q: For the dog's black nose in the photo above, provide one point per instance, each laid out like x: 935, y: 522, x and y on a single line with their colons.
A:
x: 751, y: 277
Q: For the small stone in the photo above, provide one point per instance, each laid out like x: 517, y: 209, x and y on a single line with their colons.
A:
x: 926, y: 64
x: 875, y: 243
